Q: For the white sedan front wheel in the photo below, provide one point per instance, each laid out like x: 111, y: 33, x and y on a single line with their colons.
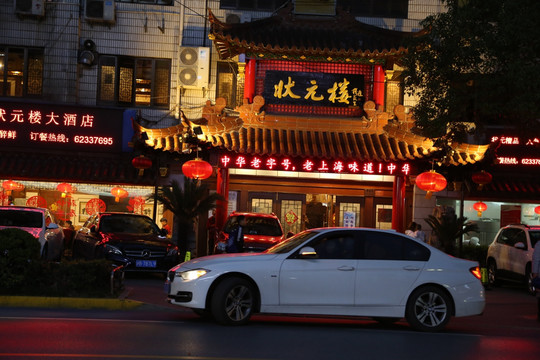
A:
x: 428, y: 309
x: 233, y: 302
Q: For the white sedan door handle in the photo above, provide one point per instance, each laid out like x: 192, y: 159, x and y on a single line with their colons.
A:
x: 411, y: 268
x: 346, y: 268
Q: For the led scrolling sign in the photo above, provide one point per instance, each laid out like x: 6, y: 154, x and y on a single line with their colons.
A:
x: 517, y: 151
x: 60, y: 127
x: 312, y: 165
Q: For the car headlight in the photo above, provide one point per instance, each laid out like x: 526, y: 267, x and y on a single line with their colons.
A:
x: 192, y: 274
x: 109, y: 249
x: 172, y: 252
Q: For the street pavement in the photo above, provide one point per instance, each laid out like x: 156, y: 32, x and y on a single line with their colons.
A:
x: 508, y: 308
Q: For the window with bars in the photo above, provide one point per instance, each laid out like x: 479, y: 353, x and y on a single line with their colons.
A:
x: 229, y: 85
x: 398, y: 9
x: 127, y: 81
x: 261, y: 5
x: 152, y: 2
x: 21, y: 72
x: 261, y: 205
x: 307, y: 67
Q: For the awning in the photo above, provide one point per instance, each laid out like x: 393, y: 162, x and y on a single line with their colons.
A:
x: 76, y: 167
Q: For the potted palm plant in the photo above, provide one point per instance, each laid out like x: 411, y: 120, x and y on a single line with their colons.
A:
x: 448, y: 227
x: 186, y: 203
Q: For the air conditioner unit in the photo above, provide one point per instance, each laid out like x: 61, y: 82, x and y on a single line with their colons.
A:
x: 29, y: 7
x: 194, y: 67
x: 99, y: 11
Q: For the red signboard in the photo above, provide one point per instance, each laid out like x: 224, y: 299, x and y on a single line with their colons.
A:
x: 517, y: 151
x: 61, y: 127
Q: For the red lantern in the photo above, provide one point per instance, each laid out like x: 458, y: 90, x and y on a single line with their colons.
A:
x: 118, y: 193
x: 431, y: 181
x: 141, y: 163
x: 537, y: 210
x: 481, y: 178
x: 64, y: 188
x: 480, y: 207
x: 197, y: 169
x: 11, y: 185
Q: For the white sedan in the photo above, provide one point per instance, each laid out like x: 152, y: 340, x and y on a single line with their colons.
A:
x: 333, y: 271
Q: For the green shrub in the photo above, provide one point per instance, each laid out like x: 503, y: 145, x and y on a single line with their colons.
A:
x: 22, y: 272
x: 17, y: 244
x: 18, y: 251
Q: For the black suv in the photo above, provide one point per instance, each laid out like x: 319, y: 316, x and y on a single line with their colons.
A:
x: 127, y: 239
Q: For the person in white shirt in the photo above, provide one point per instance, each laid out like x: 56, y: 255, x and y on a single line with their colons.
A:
x: 535, y: 270
x: 420, y: 234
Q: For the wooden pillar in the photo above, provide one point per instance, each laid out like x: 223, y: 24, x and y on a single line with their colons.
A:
x: 222, y: 188
x: 249, y: 81
x: 398, y: 203
x: 378, y: 86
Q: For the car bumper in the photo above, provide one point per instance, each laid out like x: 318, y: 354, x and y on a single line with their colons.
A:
x: 190, y: 294
x: 469, y: 299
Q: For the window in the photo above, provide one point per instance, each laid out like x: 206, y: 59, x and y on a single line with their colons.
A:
x: 158, y: 2
x: 376, y: 8
x: 127, y: 81
x: 342, y: 245
x: 384, y: 246
x: 261, y: 5
x: 21, y: 72
x: 227, y: 83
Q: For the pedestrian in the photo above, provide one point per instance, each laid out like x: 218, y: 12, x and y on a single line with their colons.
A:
x: 535, y: 270
x: 235, y: 243
x: 411, y: 229
x: 69, y: 225
x: 165, y: 227
x: 212, y: 232
x: 420, y: 234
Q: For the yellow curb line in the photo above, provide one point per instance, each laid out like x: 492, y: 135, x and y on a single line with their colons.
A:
x: 78, y: 303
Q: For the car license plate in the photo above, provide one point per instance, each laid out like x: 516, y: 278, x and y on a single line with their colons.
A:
x: 145, y: 263
x: 167, y: 287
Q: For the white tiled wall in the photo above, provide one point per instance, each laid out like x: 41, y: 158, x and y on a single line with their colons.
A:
x: 62, y: 30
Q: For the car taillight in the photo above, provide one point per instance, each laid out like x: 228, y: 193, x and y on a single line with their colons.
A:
x: 476, y: 272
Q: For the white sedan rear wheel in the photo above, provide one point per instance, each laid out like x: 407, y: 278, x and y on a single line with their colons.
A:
x: 428, y: 309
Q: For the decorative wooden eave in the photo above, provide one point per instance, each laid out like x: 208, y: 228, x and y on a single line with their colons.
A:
x: 339, y: 39
x: 378, y: 136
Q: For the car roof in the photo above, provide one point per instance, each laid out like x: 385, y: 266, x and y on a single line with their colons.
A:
x: 253, y: 214
x: 23, y: 208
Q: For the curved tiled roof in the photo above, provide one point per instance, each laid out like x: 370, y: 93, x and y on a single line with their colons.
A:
x: 285, y: 35
x: 380, y: 136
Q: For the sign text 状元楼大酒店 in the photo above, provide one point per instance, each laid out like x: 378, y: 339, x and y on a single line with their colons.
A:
x: 63, y: 127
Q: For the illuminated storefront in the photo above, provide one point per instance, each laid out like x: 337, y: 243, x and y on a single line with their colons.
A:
x: 70, y: 158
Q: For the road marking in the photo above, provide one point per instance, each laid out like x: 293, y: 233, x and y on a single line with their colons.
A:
x: 111, y: 356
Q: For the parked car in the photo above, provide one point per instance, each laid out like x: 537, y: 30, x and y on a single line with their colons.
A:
x: 333, y: 271
x: 39, y: 222
x: 127, y: 239
x: 261, y: 232
x: 510, y: 254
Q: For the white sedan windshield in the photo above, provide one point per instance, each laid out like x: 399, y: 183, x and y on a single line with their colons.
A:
x: 291, y: 243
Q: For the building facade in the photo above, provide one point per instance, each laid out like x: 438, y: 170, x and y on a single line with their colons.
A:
x: 82, y: 80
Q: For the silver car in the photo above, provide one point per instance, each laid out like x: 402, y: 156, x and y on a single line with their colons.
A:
x: 40, y: 223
